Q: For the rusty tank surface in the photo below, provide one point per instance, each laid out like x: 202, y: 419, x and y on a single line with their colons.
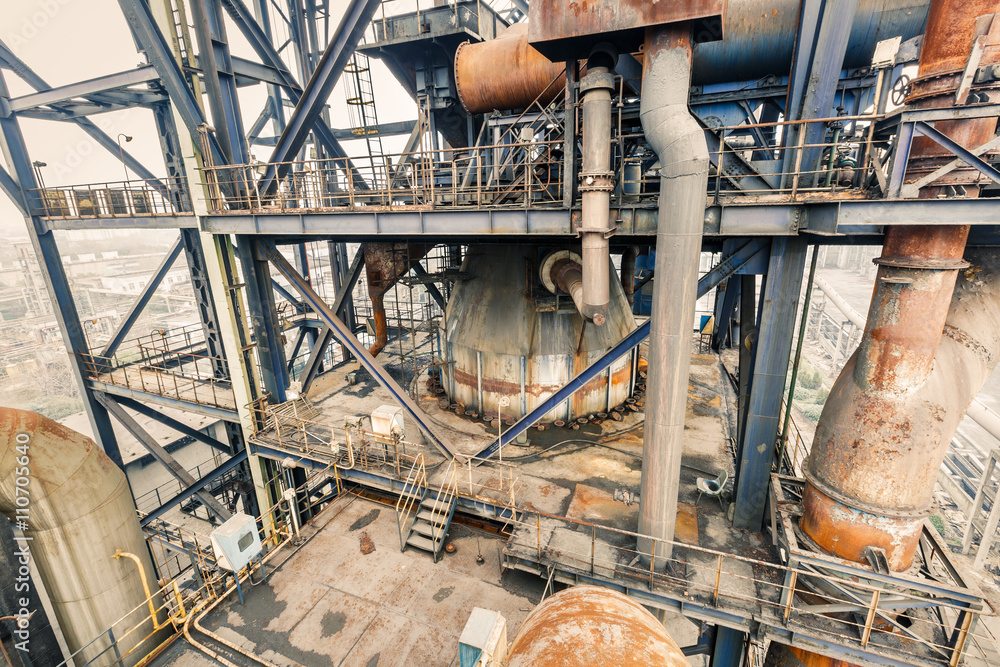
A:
x: 505, y: 335
x: 589, y: 626
x: 506, y: 73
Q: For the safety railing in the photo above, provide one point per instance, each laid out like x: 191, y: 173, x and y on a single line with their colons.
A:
x: 845, y: 605
x: 412, y: 20
x: 516, y: 174
x: 169, y: 363
x: 116, y: 199
x: 155, y: 497
x: 410, y: 497
x: 306, y: 433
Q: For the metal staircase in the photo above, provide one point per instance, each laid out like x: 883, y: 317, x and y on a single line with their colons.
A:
x: 423, y: 513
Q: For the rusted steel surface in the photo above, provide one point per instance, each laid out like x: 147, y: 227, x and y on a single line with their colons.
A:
x: 780, y: 655
x: 558, y: 27
x: 505, y: 73
x: 588, y: 626
x: 877, y: 451
x: 385, y: 263
x: 503, y: 336
x: 951, y: 35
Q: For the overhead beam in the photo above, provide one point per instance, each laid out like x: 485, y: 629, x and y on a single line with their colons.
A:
x: 315, y: 360
x: 27, y: 75
x: 142, y: 300
x: 346, y: 336
x: 261, y: 44
x: 161, y: 455
x: 170, y: 422
x: 309, y: 108
x: 160, y: 56
x: 193, y: 489
x: 101, y: 84
x: 431, y: 288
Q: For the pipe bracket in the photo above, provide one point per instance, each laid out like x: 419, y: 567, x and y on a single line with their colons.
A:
x: 943, y: 264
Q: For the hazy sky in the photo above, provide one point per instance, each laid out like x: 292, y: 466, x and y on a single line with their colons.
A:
x: 65, y: 41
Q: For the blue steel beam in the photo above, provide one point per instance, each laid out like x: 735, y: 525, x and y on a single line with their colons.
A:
x: 439, y: 440
x: 431, y: 288
x: 142, y: 300
x: 213, y: 411
x: 170, y: 422
x: 311, y: 369
x: 263, y: 318
x: 160, y: 56
x: 260, y: 41
x: 740, y: 257
x: 54, y: 275
x: 310, y: 107
x: 194, y: 488
x: 773, y: 350
x: 288, y: 296
x: 13, y: 191
x: 823, y: 35
x: 27, y: 75
x: 959, y: 150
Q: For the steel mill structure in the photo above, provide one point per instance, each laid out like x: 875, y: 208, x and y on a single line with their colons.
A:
x: 524, y: 276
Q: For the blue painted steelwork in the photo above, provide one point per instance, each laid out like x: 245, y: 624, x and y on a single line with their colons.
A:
x: 773, y: 346
x: 20, y: 68
x: 440, y: 441
x: 288, y: 296
x: 431, y: 288
x: 13, y: 190
x: 728, y: 650
x: 142, y: 300
x: 342, y: 298
x: 960, y: 151
x: 709, y: 281
x: 823, y: 36
x: 170, y: 422
x: 309, y: 108
x: 264, y: 319
x: 166, y: 401
x: 226, y: 467
x: 56, y: 282
x: 160, y: 56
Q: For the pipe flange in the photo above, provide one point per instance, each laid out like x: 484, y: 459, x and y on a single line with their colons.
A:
x: 597, y: 80
x: 861, y: 506
x: 458, y: 87
x: 550, y: 263
x: 912, y: 263
x: 597, y: 181
x: 935, y: 85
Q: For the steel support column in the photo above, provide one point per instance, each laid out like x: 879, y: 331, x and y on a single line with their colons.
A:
x: 310, y: 107
x: 46, y: 251
x: 823, y: 35
x: 161, y: 455
x: 773, y: 349
x: 439, y: 440
x: 264, y: 316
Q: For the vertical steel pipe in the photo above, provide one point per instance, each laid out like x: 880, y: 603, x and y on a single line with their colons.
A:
x: 887, y: 423
x: 596, y: 181
x: 680, y: 144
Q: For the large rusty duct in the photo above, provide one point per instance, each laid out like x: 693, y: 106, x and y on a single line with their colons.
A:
x: 879, y: 444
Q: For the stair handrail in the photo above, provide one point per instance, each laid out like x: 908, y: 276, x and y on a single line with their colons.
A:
x: 409, y: 498
x: 446, y: 494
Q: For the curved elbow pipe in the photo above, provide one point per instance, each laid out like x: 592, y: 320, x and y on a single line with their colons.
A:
x: 680, y: 143
x: 80, y: 513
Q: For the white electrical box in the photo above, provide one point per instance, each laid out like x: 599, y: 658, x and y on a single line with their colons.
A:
x: 236, y: 542
x: 387, y: 420
x: 484, y: 639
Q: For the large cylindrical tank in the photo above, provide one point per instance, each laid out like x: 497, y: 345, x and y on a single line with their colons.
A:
x: 759, y: 37
x: 505, y: 73
x: 589, y: 626
x: 78, y: 513
x: 505, y: 335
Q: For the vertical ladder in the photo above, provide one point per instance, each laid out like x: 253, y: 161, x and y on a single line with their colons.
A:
x: 362, y: 113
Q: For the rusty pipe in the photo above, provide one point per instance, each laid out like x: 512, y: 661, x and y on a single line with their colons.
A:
x: 505, y: 73
x: 381, y: 325
x: 629, y: 256
x: 679, y: 142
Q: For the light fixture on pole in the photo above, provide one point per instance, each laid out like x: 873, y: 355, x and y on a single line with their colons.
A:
x: 121, y: 152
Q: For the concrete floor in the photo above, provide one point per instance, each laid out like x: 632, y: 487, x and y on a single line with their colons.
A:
x: 330, y: 604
